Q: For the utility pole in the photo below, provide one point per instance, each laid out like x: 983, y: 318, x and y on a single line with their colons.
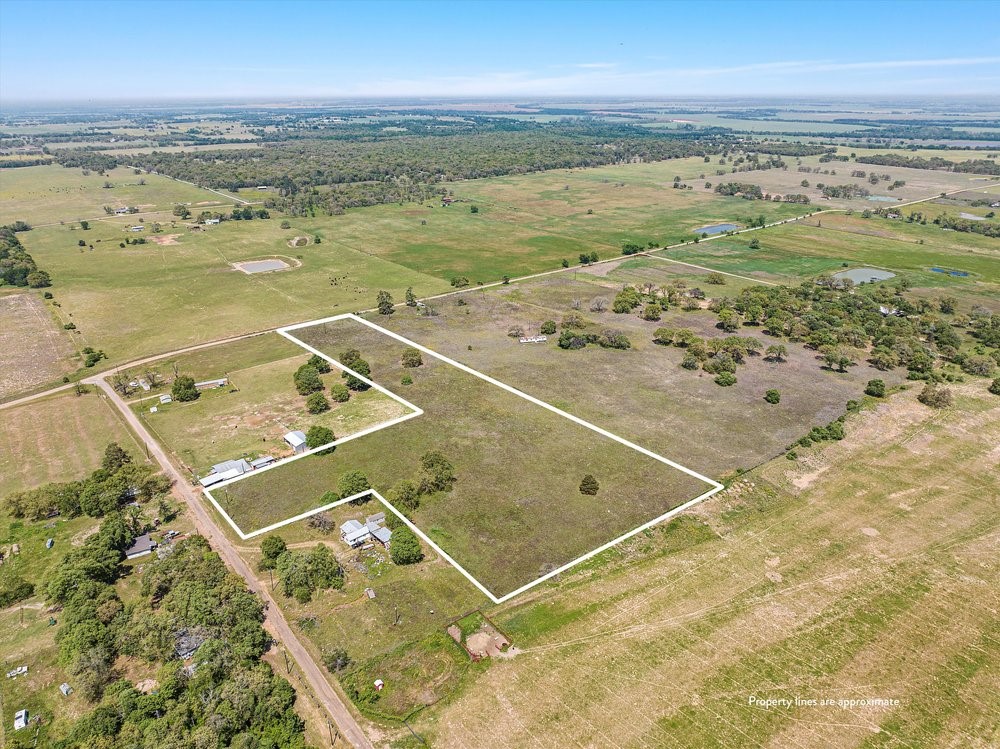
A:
x: 333, y: 736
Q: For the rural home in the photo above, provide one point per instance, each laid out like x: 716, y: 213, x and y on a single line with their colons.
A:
x: 297, y: 441
x: 354, y: 533
x: 136, y: 228
x: 143, y: 545
x: 228, y: 469
x: 211, y: 221
x: 209, y: 384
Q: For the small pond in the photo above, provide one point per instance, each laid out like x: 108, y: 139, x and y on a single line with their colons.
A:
x: 956, y: 273
x: 261, y: 266
x: 864, y: 275
x: 716, y: 229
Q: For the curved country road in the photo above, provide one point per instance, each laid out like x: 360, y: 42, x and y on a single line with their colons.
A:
x: 274, y: 621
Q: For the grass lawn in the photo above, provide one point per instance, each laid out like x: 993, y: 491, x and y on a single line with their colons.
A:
x: 518, y: 465
x: 249, y: 418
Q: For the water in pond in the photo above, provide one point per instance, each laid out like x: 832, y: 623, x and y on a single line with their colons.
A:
x: 261, y: 266
x: 957, y: 273
x: 882, y: 199
x: 716, y: 229
x: 864, y: 275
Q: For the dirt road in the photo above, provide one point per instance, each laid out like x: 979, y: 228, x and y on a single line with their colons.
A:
x: 275, y: 621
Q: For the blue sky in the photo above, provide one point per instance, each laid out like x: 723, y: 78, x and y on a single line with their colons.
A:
x: 259, y: 48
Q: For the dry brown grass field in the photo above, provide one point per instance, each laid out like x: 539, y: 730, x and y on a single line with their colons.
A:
x: 32, y: 349
x: 865, y: 571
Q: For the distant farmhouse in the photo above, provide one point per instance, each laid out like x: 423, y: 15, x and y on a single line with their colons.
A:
x: 354, y: 533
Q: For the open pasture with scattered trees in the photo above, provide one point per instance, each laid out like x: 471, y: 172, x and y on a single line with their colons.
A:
x: 491, y: 477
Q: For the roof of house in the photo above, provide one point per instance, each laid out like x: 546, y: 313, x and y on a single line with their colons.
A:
x: 382, y: 533
x: 144, y: 544
x: 232, y: 465
x: 187, y: 641
x: 378, y: 517
x: 295, y: 438
x: 351, y: 526
x: 263, y: 460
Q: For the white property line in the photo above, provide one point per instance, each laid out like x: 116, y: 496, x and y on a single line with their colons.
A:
x: 416, y: 411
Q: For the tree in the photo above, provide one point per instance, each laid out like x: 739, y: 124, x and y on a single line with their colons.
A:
x: 181, y: 211
x: 385, y: 303
x: 978, y: 365
x: 776, y: 352
x: 307, y: 380
x: 405, y: 495
x: 772, y: 396
x: 651, y: 312
x: 404, y: 547
x: 548, y: 327
x: 183, y: 389
x: 411, y: 358
x: 411, y: 298
x: 353, y: 482
x: 589, y: 485
x: 995, y: 386
x: 340, y: 393
x: 716, y: 279
x: 438, y: 473
x: 85, y: 225
x: 729, y: 321
x: 318, y: 436
x: 114, y: 458
x: 754, y: 244
x: 318, y: 363
x: 38, y: 279
x: 934, y: 396
x: 875, y: 388
x: 317, y: 403
x: 725, y: 379
x: 473, y: 209
x: 271, y: 548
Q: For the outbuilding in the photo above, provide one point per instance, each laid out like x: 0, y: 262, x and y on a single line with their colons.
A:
x: 297, y: 441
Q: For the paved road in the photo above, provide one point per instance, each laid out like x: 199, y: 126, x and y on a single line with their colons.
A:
x: 275, y: 621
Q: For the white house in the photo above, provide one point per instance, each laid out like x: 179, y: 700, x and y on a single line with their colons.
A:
x: 354, y: 533
x: 143, y: 545
x: 137, y: 228
x: 297, y: 441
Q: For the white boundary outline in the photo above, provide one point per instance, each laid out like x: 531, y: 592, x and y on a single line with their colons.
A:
x: 416, y: 411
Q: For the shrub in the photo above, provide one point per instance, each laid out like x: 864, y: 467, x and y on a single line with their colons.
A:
x: 875, y: 388
x: 664, y: 336
x: 725, y: 379
x: 405, y: 547
x: 651, y: 312
x: 339, y: 392
x: 336, y: 660
x: 411, y: 358
x: 978, y: 365
x: 317, y: 403
x: 271, y: 548
x: 406, y: 380
x: 571, y: 340
x: 772, y: 396
x: 589, y: 485
x: 548, y: 327
x: 934, y: 396
x: 716, y: 279
x: 995, y: 386
x: 183, y: 389
x: 614, y: 339
x: 690, y: 361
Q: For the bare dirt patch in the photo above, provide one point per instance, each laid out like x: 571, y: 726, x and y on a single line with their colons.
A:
x: 298, y: 242
x: 165, y: 239
x: 32, y: 349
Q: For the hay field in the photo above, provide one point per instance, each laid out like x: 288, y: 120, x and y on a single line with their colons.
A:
x: 865, y: 571
x: 33, y: 350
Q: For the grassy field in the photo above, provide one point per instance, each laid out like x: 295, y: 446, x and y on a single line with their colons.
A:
x: 824, y: 244
x: 249, y: 418
x: 56, y: 438
x: 49, y: 194
x: 643, y: 394
x: 32, y: 349
x: 863, y: 571
x: 145, y: 299
x: 518, y: 465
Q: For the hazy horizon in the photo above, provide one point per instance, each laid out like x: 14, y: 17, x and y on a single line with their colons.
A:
x: 150, y: 51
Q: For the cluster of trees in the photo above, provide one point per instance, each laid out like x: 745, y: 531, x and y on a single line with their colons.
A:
x: 116, y: 483
x: 228, y: 696
x: 956, y: 223
x: 247, y: 213
x: 436, y: 474
x: 745, y: 190
x: 847, y: 192
x: 575, y: 336
x: 17, y: 267
x: 718, y: 356
x: 301, y: 572
x: 974, y: 166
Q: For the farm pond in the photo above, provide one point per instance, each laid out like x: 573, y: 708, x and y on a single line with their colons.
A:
x: 864, y: 275
x: 716, y: 229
